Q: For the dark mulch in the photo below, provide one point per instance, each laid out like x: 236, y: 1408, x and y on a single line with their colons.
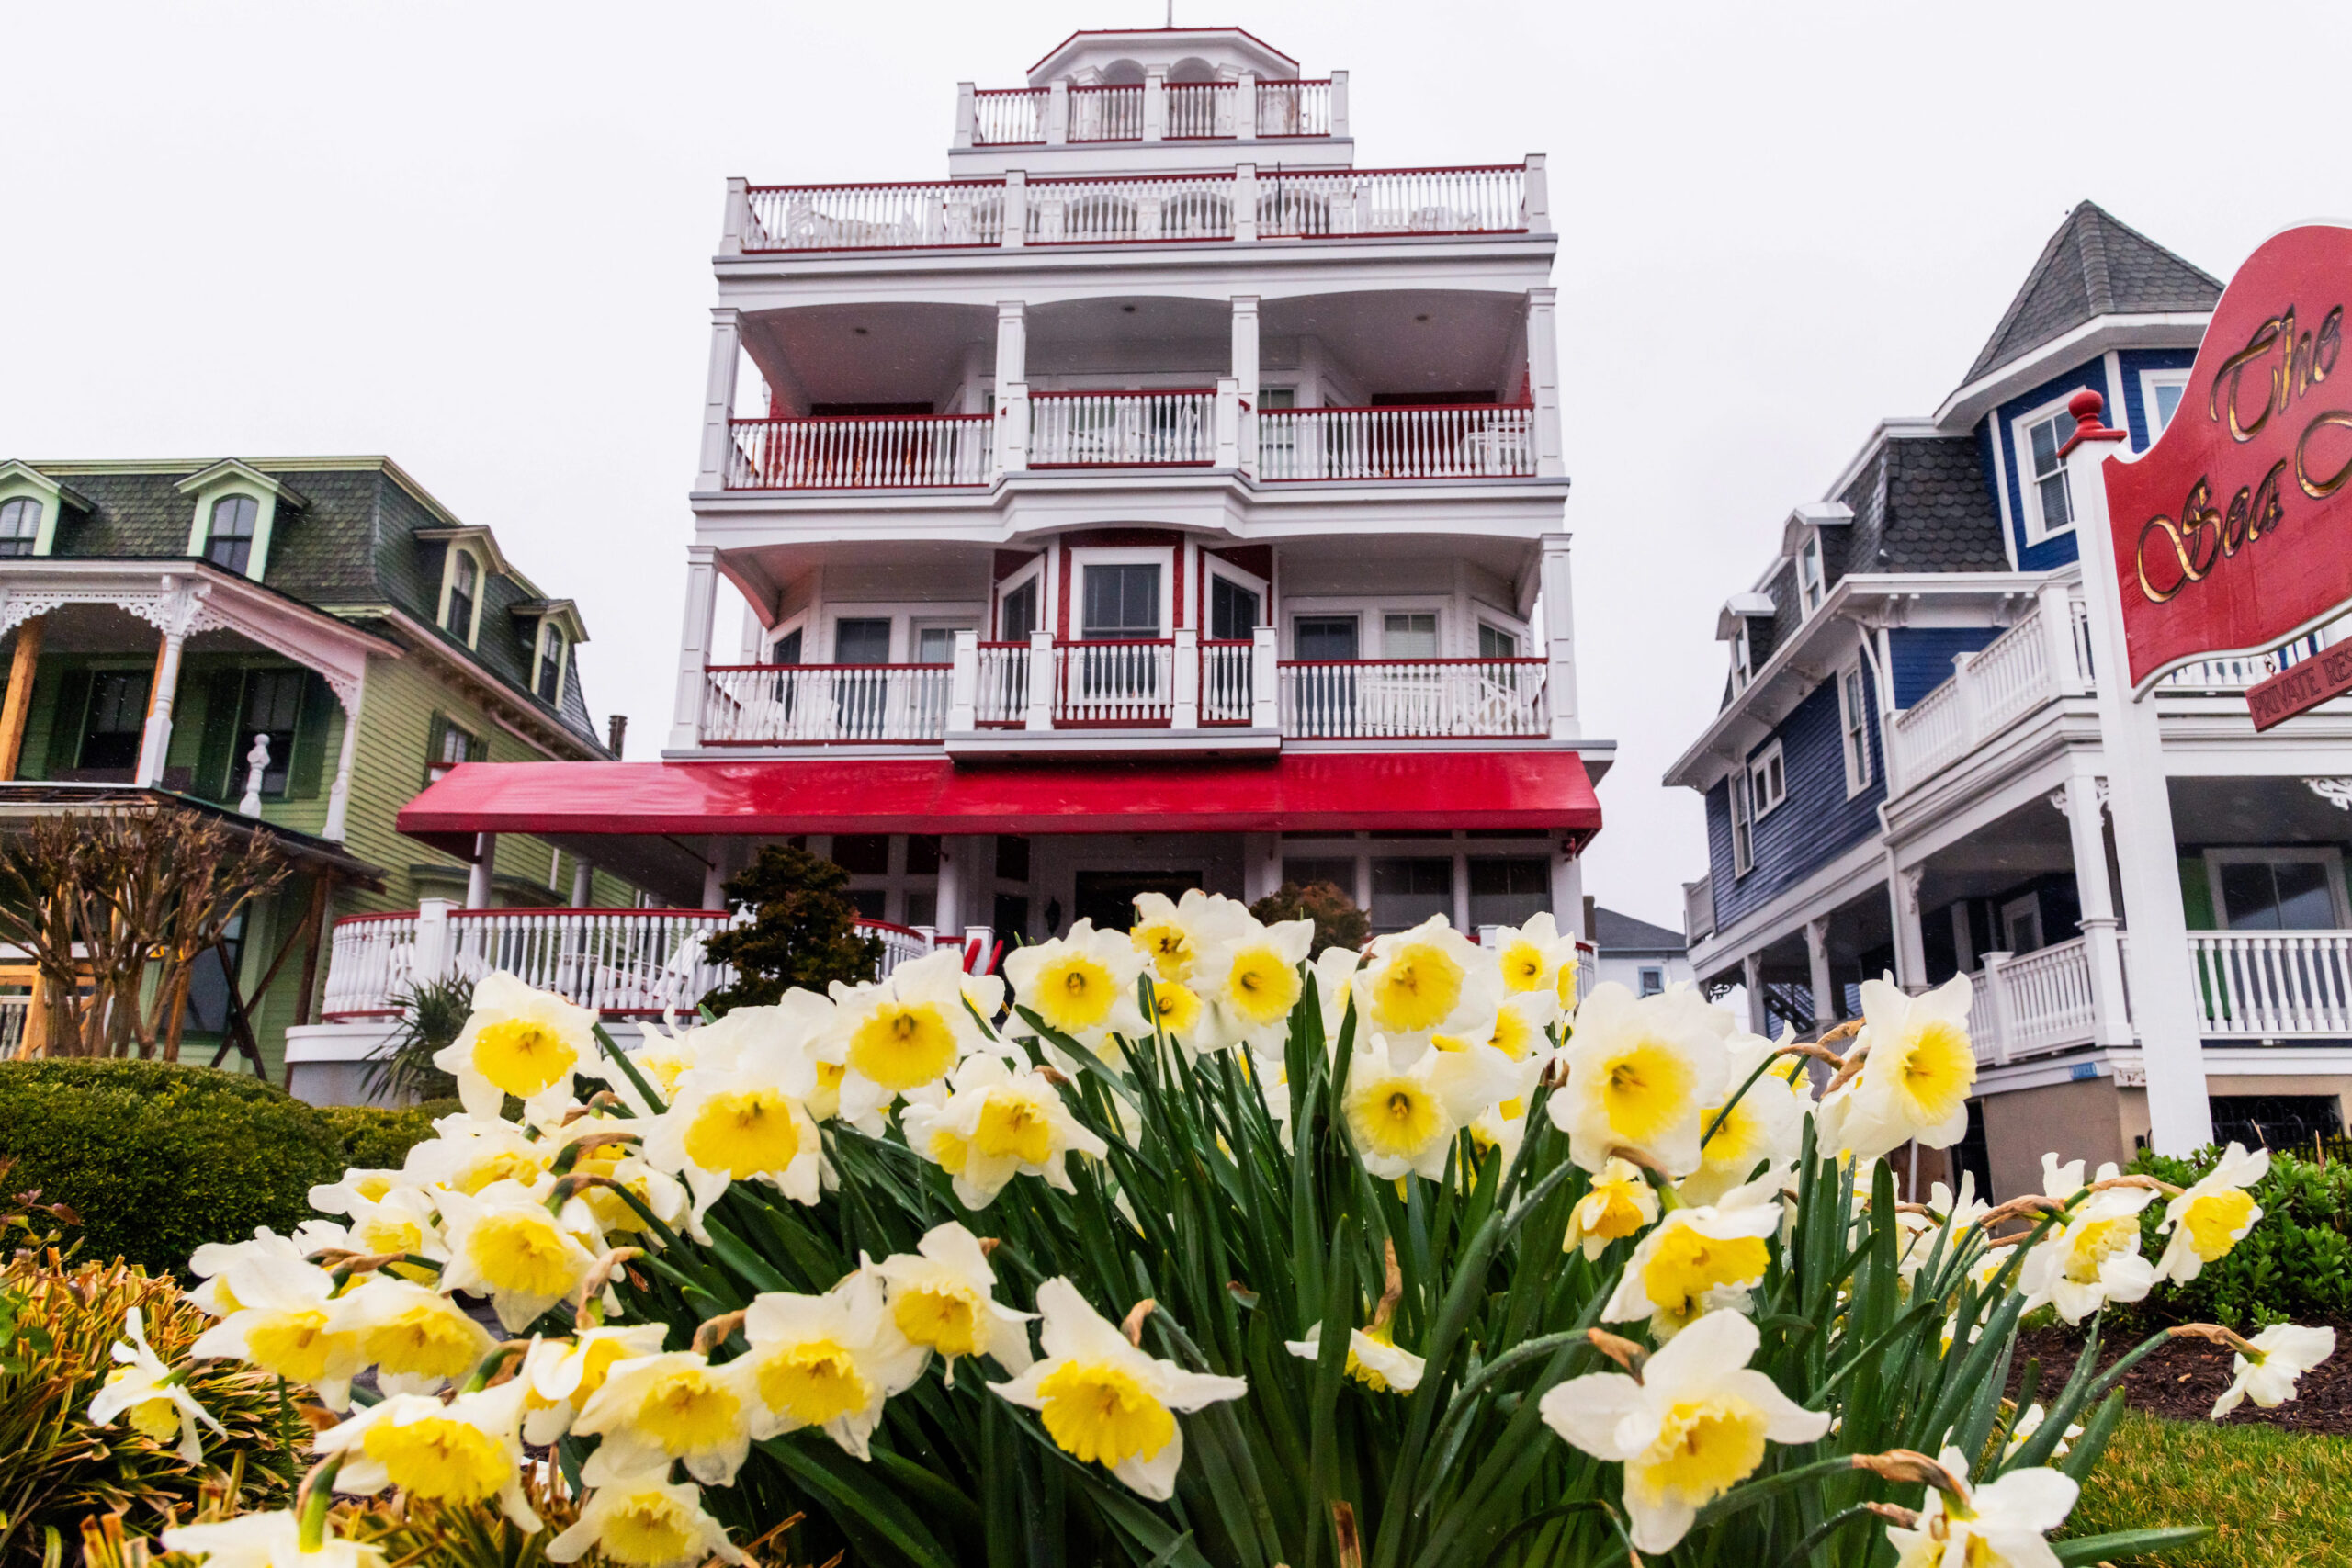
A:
x: 2181, y: 1379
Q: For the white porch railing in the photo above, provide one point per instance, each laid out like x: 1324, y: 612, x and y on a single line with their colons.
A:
x: 2273, y: 985
x: 1472, y: 199
x: 1226, y: 695
x: 1106, y: 114
x: 1990, y: 689
x: 791, y: 705
x: 2237, y: 674
x: 1122, y: 429
x: 1295, y: 108
x: 903, y: 216
x: 890, y: 452
x: 2032, y: 1004
x: 1332, y: 699
x: 1199, y: 111
x: 1001, y: 693
x: 1119, y: 211
x: 366, y: 963
x: 1115, y: 681
x: 1440, y: 441
x: 1010, y: 116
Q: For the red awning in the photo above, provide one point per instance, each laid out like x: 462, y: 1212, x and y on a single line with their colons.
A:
x: 1331, y: 792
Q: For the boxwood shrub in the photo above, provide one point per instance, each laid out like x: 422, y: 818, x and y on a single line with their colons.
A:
x: 159, y: 1158
x: 375, y: 1138
x: 2295, y: 1266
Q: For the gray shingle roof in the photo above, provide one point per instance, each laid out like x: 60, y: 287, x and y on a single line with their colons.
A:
x: 2092, y: 267
x: 1613, y: 932
x: 1922, y: 504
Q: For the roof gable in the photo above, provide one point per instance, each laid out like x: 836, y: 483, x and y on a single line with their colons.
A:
x: 2092, y: 267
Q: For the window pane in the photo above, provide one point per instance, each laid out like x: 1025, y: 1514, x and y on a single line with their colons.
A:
x: 551, y: 664
x: 1121, y: 602
x: 1323, y: 637
x: 1012, y: 857
x: 1653, y: 980
x: 2250, y: 896
x: 935, y: 645
x: 862, y: 855
x: 787, y: 649
x: 1505, y: 892
x: 118, y: 714
x: 1407, y: 892
x: 862, y: 642
x: 273, y: 704
x: 231, y: 544
x: 1233, y: 609
x: 19, y: 526
x: 1408, y: 637
x: 1017, y: 617
x: 2304, y: 902
x: 922, y: 854
x: 1339, y: 870
x: 2167, y: 400
x: 1495, y: 643
x: 2056, y: 510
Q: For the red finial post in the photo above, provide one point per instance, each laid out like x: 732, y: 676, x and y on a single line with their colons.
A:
x: 2088, y: 406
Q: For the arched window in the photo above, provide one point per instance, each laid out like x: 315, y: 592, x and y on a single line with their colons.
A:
x: 229, y: 544
x: 19, y: 525
x: 549, y: 681
x: 465, y: 586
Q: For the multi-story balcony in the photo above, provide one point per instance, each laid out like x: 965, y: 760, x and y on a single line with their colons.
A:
x: 1068, y: 114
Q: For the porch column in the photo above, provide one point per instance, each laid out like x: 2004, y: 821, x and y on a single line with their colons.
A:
x: 963, y: 683
x: 1751, y: 973
x: 1041, y: 681
x: 1543, y: 382
x: 1245, y: 375
x: 584, y: 883
x: 1559, y: 636
x: 1262, y: 865
x: 1339, y: 103
x: 694, y: 645
x: 1265, y: 708
x: 947, y: 912
x: 478, y: 878
x: 1461, y: 893
x: 1185, y: 699
x: 1816, y: 953
x: 714, y: 873
x: 1245, y: 194
x: 1903, y: 901
x: 967, y: 114
x: 1057, y: 113
x: 1567, y: 890
x: 2083, y: 801
x: 1012, y: 386
x: 157, y: 740
x: 1155, y: 103
x: 18, y: 704
x: 2165, y: 1004
x: 339, y: 794
x: 718, y: 400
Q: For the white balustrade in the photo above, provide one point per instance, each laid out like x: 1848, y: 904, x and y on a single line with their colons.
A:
x: 1106, y: 114
x: 1002, y: 699
x: 1121, y: 429
x: 1989, y: 690
x: 1293, y: 108
x: 1009, y: 116
x: 1126, y: 681
x: 1226, y: 696
x: 368, y: 962
x: 2032, y: 1004
x: 1440, y: 441
x: 2273, y: 985
x: 790, y: 704
x: 2236, y: 674
x: 1199, y: 111
x: 1470, y: 200
x: 1698, y: 910
x: 1406, y: 698
x: 1112, y: 211
x: 894, y: 452
x: 875, y: 217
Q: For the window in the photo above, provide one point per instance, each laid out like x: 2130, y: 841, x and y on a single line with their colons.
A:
x: 1853, y: 718
x: 1409, y: 636
x: 1653, y: 980
x: 465, y: 588
x: 2160, y: 395
x: 1314, y: 638
x: 229, y: 544
x: 2021, y: 924
x: 1016, y: 617
x: 1809, y: 582
x: 1743, y: 831
x: 2053, y: 504
x: 1508, y: 890
x: 272, y: 706
x: 1233, y: 609
x: 118, y: 714
x: 1742, y: 671
x: 1339, y: 871
x: 934, y: 645
x: 19, y: 525
x: 1768, y: 783
x: 1121, y: 602
x: 451, y: 745
x: 1495, y: 643
x: 2277, y: 889
x: 549, y: 681
x: 862, y: 641
x: 786, y: 649
x: 1407, y: 892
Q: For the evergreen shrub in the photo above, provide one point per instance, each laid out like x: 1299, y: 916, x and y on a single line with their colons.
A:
x: 2295, y: 1265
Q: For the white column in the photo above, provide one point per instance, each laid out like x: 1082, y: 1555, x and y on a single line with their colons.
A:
x: 1012, y: 386
x: 1227, y: 413
x: 1262, y: 865
x: 1041, y: 680
x: 1057, y: 113
x: 694, y: 645
x: 735, y: 221
x: 157, y: 740
x: 719, y: 401
x: 1266, y: 702
x: 1544, y: 381
x: 1245, y: 220
x: 2164, y: 995
x: 1016, y: 208
x: 1903, y: 903
x: 1558, y: 592
x: 963, y: 685
x: 584, y: 883
x: 2001, y: 1023
x: 2083, y: 801
x: 947, y: 907
x: 967, y: 115
x: 714, y: 874
x: 339, y: 794
x: 1536, y: 204
x: 1339, y: 103
x: 1751, y: 970
x: 1155, y: 103
x: 1567, y: 891
x: 429, y: 960
x: 1245, y: 348
x: 478, y: 877
x: 1816, y: 953
x: 1461, y: 890
x: 1245, y: 110
x: 2057, y: 610
x: 1185, y: 699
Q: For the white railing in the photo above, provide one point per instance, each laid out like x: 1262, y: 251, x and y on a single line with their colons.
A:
x: 1124, y: 680
x: 1225, y: 691
x: 2237, y: 674
x: 1332, y: 700
x: 1106, y: 114
x: 875, y: 217
x: 1198, y: 111
x: 1121, y: 429
x: 1438, y: 441
x: 1000, y: 695
x: 368, y: 962
x: 1295, y: 108
x: 1469, y: 201
x: 1698, y: 910
x: 2273, y: 985
x: 2028, y: 1005
x: 794, y: 704
x: 1009, y: 116
x: 898, y: 452
x: 1989, y: 690
x: 1114, y: 211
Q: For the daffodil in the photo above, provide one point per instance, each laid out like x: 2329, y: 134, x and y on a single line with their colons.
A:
x: 564, y: 1375
x: 827, y: 1361
x: 1697, y: 1260
x: 2095, y: 1259
x: 1334, y: 972
x: 1374, y: 1358
x: 2032, y: 1422
x: 517, y: 1040
x: 1177, y: 1011
x: 1250, y: 981
x: 154, y: 1396
x: 466, y: 1450
x: 1916, y: 1076
x: 996, y: 1124
x: 1764, y: 1126
x: 1104, y: 1402
x: 503, y: 1244
x: 602, y: 1212
x: 943, y: 1297
x: 1692, y: 1425
x: 467, y: 1153
x: 211, y: 1263
x: 1081, y: 985
x: 645, y: 1521
x: 1503, y: 1125
x: 1641, y: 1072
x: 1531, y: 956
x: 1427, y: 981
x: 357, y: 1185
x: 905, y: 1031
x: 741, y: 1120
x: 673, y: 1406
x: 278, y: 1322
x: 2001, y: 1524
x: 417, y: 1339
x: 267, y: 1540
x: 1405, y: 1119
x: 1620, y: 1203
x: 1517, y: 1029
x: 2213, y: 1214
x: 2267, y: 1370
x: 1174, y: 936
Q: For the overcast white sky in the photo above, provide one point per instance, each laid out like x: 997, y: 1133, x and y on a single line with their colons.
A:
x: 476, y: 237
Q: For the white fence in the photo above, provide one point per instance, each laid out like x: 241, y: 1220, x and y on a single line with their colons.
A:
x: 1226, y: 691
x: 1122, y: 429
x: 786, y: 704
x: 1198, y: 110
x: 1000, y: 695
x: 1106, y: 114
x: 895, y: 452
x: 368, y: 962
x: 875, y: 217
x: 1124, y: 682
x: 1471, y: 201
x: 1989, y: 690
x: 2273, y: 985
x: 1009, y: 116
x: 2032, y: 1004
x: 1118, y: 210
x: 1450, y: 441
x: 1295, y: 108
x: 1330, y: 700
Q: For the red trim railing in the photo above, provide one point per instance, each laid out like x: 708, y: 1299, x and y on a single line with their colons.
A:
x: 1293, y: 108
x: 1430, y: 441
x: 1115, y: 680
x: 909, y: 215
x: 1126, y: 430
x: 824, y: 704
x: 1010, y: 116
x: 1412, y: 698
x: 1112, y: 113
x: 865, y: 452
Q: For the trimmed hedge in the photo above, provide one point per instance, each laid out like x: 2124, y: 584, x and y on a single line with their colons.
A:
x: 375, y: 1138
x: 159, y: 1158
x: 2295, y: 1266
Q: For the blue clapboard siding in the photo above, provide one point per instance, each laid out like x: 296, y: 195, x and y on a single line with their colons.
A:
x: 2052, y: 553
x: 1815, y: 824
x: 2132, y: 361
x: 1921, y: 657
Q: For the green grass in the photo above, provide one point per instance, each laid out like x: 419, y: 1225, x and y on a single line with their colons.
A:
x: 2276, y: 1499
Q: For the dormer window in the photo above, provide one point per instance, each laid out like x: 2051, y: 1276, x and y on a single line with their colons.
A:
x: 1811, y: 583
x: 19, y: 526
x: 2052, y: 510
x: 1742, y: 668
x: 228, y: 541
x: 465, y: 589
x: 548, y: 680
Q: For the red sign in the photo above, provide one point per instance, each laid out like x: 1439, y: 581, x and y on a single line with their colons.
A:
x: 2234, y: 532
x: 2301, y: 686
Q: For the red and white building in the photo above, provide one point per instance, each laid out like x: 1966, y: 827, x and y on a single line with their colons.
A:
x: 1156, y: 499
